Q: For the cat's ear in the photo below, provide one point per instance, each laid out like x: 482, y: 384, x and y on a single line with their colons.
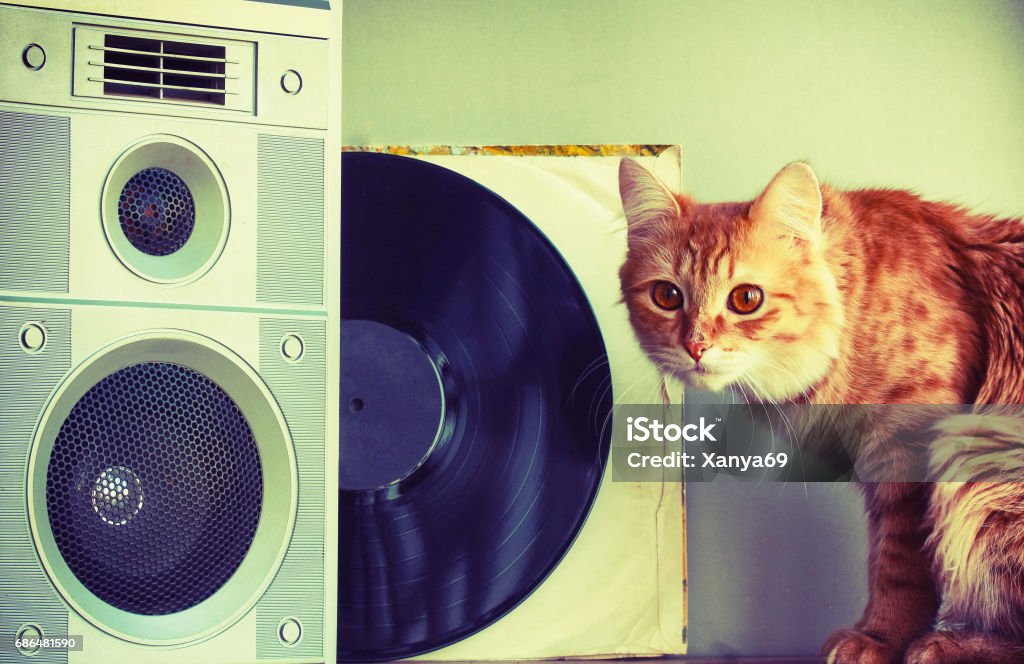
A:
x: 792, y: 200
x: 649, y: 204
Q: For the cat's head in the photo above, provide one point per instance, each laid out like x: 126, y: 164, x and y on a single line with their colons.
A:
x: 732, y: 294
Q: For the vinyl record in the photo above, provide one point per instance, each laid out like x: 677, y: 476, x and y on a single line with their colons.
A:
x: 475, y: 398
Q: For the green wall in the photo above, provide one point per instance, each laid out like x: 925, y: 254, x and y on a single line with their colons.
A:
x: 924, y: 94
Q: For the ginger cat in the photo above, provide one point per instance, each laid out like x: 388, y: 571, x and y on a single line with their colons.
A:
x: 809, y: 294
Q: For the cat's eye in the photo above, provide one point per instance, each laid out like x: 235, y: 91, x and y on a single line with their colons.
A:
x: 666, y: 295
x: 746, y: 299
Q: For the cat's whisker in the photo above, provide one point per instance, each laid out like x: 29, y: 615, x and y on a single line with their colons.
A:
x: 789, y: 424
x: 594, y: 365
x: 770, y: 402
x: 805, y: 394
x: 794, y: 438
x: 746, y: 401
x: 620, y: 398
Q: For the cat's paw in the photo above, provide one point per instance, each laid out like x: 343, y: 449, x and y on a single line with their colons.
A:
x: 848, y: 646
x: 953, y: 647
x: 934, y: 648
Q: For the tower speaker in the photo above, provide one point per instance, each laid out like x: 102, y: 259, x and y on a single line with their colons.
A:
x: 168, y: 330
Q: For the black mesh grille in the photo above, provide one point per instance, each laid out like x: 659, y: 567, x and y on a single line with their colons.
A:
x: 154, y: 488
x: 156, y: 211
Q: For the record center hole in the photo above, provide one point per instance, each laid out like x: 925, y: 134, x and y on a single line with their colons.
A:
x: 356, y: 405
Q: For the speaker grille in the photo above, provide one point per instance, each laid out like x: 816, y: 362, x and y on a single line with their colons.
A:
x: 156, y: 211
x: 298, y: 589
x: 163, y: 69
x: 154, y: 488
x: 155, y: 67
x: 290, y: 220
x: 26, y: 381
x: 35, y: 202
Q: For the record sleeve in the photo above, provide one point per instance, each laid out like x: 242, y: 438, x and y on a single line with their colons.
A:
x: 616, y: 587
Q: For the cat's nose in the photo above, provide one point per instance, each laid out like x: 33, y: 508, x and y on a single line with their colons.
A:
x: 696, y: 349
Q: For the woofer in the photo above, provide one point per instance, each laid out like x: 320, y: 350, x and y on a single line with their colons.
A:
x: 162, y: 487
x: 154, y: 488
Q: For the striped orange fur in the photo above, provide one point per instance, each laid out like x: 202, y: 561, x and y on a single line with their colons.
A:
x: 872, y: 296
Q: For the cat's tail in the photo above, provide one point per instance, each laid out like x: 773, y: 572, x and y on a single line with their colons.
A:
x: 976, y: 516
x: 976, y: 511
x: 984, y: 445
x: 996, y: 278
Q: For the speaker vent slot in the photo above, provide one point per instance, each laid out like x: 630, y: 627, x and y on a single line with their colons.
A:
x: 164, y: 69
x: 152, y: 67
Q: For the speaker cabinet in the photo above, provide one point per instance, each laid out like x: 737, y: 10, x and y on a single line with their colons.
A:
x: 168, y: 331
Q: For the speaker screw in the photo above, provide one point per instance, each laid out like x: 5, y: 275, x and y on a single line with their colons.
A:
x: 34, y: 57
x: 29, y: 633
x: 292, y: 347
x: 32, y: 337
x: 291, y: 82
x: 289, y: 631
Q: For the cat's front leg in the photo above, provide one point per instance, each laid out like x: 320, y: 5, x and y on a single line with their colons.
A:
x: 902, y: 599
